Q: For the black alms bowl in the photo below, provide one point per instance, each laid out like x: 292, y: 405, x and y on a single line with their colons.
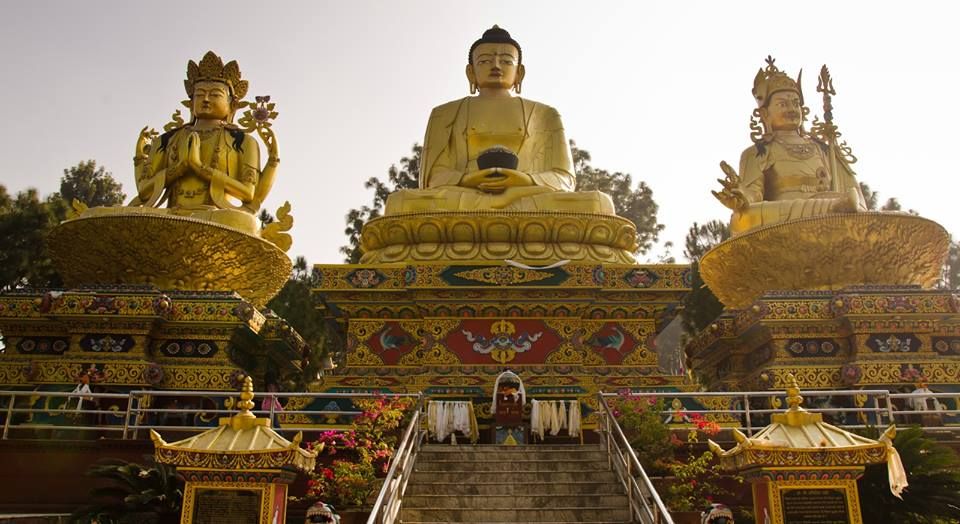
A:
x: 497, y: 156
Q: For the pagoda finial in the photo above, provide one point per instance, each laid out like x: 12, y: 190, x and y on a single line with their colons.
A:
x: 246, y: 399
x: 793, y: 393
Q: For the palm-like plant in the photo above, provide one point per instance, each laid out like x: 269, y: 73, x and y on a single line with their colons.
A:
x: 933, y: 496
x: 135, y: 494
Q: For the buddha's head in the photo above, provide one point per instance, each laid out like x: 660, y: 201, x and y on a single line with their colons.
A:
x: 494, y: 61
x: 215, y: 90
x: 779, y: 99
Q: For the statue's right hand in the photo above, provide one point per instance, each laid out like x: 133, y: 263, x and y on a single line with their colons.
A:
x: 732, y: 198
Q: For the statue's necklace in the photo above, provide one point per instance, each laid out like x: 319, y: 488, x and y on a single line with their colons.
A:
x: 798, y: 151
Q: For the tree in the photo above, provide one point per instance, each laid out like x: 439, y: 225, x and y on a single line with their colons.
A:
x: 933, y: 495
x: 407, y: 176
x: 26, y: 219
x: 701, y: 306
x: 92, y: 185
x: 702, y: 238
x: 634, y: 204
x: 24, y: 223
x: 295, y: 304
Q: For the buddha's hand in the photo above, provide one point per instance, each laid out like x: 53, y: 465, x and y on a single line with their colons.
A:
x: 731, y: 195
x: 193, y: 156
x: 496, y: 179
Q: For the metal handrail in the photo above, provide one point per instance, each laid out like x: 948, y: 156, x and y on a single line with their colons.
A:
x: 644, y: 501
x: 130, y: 421
x: 386, y: 509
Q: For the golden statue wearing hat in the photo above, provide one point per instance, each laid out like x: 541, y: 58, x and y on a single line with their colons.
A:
x: 193, y: 223
x: 209, y: 167
x: 789, y: 172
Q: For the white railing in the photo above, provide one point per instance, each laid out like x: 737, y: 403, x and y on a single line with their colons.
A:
x: 645, y: 503
x: 40, y: 414
x: 386, y: 509
x: 749, y: 411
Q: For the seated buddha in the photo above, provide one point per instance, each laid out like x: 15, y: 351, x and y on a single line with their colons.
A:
x: 453, y: 173
x: 788, y: 173
x: 208, y: 168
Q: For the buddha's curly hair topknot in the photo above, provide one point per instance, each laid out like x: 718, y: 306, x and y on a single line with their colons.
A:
x: 495, y: 35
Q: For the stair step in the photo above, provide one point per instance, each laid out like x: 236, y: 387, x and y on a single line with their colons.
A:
x: 512, y: 465
x: 434, y: 455
x: 515, y: 515
x: 418, y: 487
x: 522, y: 500
x: 517, y: 477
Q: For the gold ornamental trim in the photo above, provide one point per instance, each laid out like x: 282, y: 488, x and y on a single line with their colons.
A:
x: 481, y: 236
x: 826, y: 253
x: 169, y: 252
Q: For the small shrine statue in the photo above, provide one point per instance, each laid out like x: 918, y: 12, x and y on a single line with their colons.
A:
x: 209, y: 167
x: 789, y: 173
x: 322, y: 512
x: 509, y: 397
x: 495, y: 151
x: 716, y: 514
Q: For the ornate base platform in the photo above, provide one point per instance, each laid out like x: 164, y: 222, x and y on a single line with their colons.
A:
x: 449, y: 330
x: 889, y: 337
x: 128, y: 337
x: 535, y: 238
x: 826, y: 253
x: 168, y: 252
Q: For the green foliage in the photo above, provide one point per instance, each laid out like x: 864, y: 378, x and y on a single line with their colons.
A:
x: 634, y: 204
x: 295, y: 304
x: 92, y: 185
x: 351, y: 461
x: 133, y: 494
x: 701, y: 306
x: 26, y: 219
x: 24, y: 223
x: 407, y: 176
x: 933, y: 471
x: 642, y: 423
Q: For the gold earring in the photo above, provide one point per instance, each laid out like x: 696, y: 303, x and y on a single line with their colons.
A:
x: 516, y: 87
x: 473, y: 88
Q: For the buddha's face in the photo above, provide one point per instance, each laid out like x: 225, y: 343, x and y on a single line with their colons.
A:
x: 211, y: 100
x: 495, y: 66
x: 784, y: 112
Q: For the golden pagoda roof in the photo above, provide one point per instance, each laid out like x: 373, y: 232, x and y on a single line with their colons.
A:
x: 242, y: 441
x: 797, y: 437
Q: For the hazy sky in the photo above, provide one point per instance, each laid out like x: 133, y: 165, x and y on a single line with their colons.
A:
x: 660, y: 90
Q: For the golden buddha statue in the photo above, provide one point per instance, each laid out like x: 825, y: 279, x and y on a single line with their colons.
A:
x: 788, y: 173
x: 209, y: 168
x: 459, y: 133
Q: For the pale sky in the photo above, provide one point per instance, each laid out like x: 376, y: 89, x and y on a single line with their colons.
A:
x: 660, y: 90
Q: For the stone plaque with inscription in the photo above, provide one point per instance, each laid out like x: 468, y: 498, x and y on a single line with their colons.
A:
x: 227, y: 506
x: 815, y: 506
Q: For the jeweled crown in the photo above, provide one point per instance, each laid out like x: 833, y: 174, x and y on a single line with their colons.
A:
x: 770, y: 80
x: 211, y: 68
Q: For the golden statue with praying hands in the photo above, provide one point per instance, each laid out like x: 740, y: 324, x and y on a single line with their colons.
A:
x: 788, y: 173
x: 193, y: 223
x: 210, y: 167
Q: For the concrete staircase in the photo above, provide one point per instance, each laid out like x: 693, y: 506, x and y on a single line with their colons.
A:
x: 515, y: 484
